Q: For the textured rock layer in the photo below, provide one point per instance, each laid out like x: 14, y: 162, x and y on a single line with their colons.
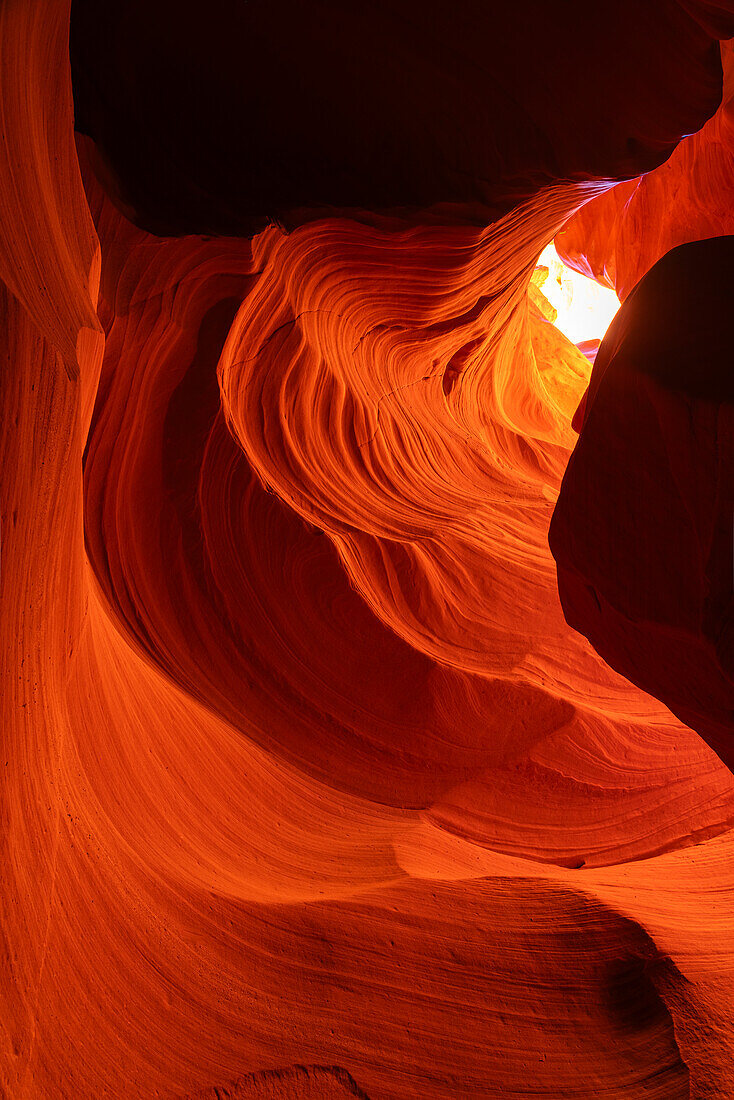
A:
x: 310, y: 789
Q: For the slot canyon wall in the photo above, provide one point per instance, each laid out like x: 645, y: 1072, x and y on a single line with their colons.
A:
x: 367, y: 657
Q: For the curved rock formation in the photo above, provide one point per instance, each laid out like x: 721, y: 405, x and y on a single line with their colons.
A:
x: 619, y: 235
x: 310, y: 788
x: 657, y: 603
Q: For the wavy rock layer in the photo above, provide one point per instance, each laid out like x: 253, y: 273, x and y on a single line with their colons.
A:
x: 310, y: 789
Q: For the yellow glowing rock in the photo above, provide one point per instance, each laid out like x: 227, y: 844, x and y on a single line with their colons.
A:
x: 584, y: 308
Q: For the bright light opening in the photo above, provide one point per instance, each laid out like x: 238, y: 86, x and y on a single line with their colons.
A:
x: 584, y: 308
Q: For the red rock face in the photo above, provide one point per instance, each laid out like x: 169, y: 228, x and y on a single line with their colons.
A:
x: 657, y: 603
x: 311, y: 790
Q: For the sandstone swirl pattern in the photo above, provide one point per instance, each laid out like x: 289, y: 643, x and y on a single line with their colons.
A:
x: 310, y: 790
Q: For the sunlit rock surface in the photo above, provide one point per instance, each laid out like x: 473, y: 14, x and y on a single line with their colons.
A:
x: 310, y: 789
